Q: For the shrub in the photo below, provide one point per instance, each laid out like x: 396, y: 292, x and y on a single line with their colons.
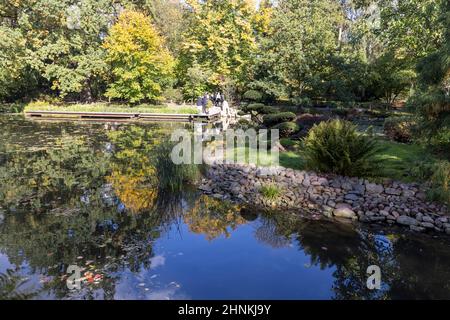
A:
x: 288, y: 143
x: 399, y: 129
x: 309, y: 120
x: 244, y: 124
x: 439, y: 142
x: 440, y: 182
x: 257, y: 107
x: 173, y: 95
x: 273, y: 119
x: 270, y: 191
x: 268, y: 110
x: 287, y: 128
x: 337, y: 147
x: 253, y: 95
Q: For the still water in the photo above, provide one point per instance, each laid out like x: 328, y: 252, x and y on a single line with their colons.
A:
x: 103, y: 197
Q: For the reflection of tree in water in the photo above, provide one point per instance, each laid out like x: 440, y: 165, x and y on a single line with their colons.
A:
x: 267, y: 233
x: 213, y: 217
x: 412, y: 266
x: 70, y: 205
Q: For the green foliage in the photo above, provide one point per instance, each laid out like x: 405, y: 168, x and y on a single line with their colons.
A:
x: 399, y: 129
x: 437, y: 173
x: 440, y: 182
x: 270, y: 191
x: 220, y: 39
x: 141, y: 65
x: 287, y: 128
x: 432, y: 100
x: 195, y: 82
x: 336, y: 146
x: 260, y: 108
x: 273, y: 119
x: 170, y: 176
x: 173, y: 95
x: 61, y: 42
x: 12, y: 108
x: 294, y: 55
x: 170, y: 19
x: 253, y: 95
x: 254, y: 107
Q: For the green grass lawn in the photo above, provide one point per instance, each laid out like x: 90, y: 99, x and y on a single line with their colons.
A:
x: 398, y: 160
x: 106, y: 107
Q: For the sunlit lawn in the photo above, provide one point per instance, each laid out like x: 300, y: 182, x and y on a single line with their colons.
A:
x: 105, y: 107
x: 396, y: 159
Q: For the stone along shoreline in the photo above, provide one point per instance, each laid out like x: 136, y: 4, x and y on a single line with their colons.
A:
x: 332, y: 196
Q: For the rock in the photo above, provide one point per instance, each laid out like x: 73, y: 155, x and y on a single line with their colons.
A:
x: 393, y: 191
x: 416, y: 228
x: 427, y: 225
x: 376, y: 218
x: 344, y: 212
x: 351, y: 196
x: 427, y: 219
x: 373, y: 188
x: 384, y: 213
x: 205, y: 188
x: 408, y: 193
x: 359, y: 189
x: 406, y: 220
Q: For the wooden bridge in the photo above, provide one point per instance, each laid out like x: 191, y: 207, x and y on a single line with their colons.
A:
x: 119, y: 116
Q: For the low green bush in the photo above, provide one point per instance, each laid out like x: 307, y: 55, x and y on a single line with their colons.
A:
x: 287, y: 129
x: 253, y: 95
x: 439, y: 142
x: 288, y: 143
x: 276, y: 118
x: 399, y: 129
x: 268, y: 110
x: 12, y: 108
x: 173, y: 95
x: 440, y: 183
x: 256, y: 107
x: 270, y: 191
x: 336, y: 146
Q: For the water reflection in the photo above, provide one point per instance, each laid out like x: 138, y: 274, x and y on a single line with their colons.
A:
x: 107, y: 199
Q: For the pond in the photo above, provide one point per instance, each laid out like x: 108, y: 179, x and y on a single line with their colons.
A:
x: 103, y: 197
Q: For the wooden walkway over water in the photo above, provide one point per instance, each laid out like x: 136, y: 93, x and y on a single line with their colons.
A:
x: 118, y: 116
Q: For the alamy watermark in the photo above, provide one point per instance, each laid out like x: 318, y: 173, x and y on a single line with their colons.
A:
x: 374, y: 279
x: 226, y: 147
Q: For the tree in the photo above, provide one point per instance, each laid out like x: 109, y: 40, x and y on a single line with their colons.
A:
x: 141, y: 65
x: 432, y: 100
x: 220, y: 39
x: 16, y: 78
x: 195, y: 83
x: 63, y: 41
x: 170, y: 19
x: 294, y: 57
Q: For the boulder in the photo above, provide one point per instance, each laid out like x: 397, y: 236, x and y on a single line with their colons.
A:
x: 344, y: 212
x: 373, y: 188
x: 393, y: 191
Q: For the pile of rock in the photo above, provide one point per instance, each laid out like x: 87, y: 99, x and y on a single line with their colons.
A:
x: 333, y: 196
